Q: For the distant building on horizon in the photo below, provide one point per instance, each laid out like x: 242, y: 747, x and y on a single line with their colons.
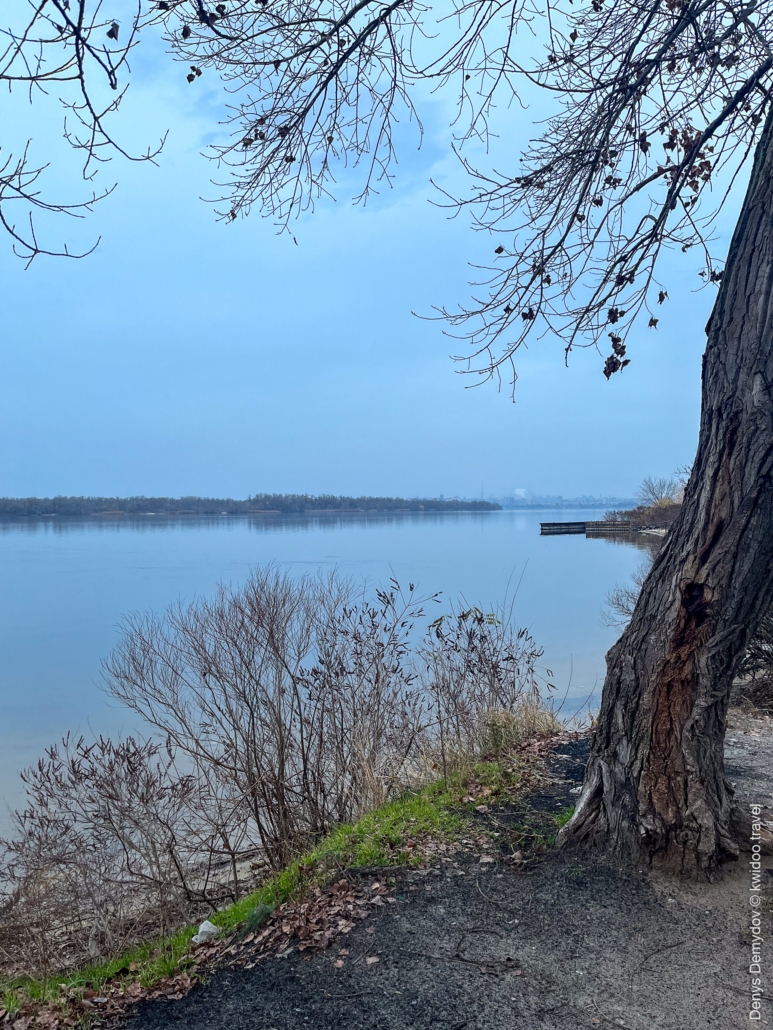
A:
x: 521, y: 499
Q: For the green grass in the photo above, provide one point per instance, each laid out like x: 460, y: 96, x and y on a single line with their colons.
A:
x: 377, y: 839
x: 562, y: 818
x: 148, y: 963
x: 9, y: 1000
x: 538, y: 830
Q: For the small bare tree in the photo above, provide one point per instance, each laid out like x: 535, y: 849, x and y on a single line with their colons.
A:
x: 655, y: 492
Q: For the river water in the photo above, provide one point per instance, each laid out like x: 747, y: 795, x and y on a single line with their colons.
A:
x: 66, y: 584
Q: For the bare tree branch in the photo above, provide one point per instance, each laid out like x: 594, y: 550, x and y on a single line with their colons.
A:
x: 651, y: 102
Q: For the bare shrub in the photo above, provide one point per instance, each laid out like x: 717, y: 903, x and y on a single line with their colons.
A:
x: 279, y: 711
x: 292, y: 698
x: 758, y: 660
x: 755, y: 684
x: 480, y: 673
x: 621, y: 600
x: 96, y: 857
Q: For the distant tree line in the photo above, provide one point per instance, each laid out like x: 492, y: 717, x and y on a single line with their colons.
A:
x: 286, y: 504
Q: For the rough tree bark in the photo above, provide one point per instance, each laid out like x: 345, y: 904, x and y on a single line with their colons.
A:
x: 655, y: 789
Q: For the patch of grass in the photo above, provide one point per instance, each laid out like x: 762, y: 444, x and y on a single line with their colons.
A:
x: 376, y: 839
x: 562, y: 818
x: 500, y: 776
x: 148, y: 964
x: 537, y: 830
x: 9, y: 1000
x: 436, y: 811
x: 379, y: 838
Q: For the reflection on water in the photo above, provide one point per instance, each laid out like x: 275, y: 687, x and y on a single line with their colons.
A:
x: 641, y: 541
x: 272, y: 523
x: 68, y: 581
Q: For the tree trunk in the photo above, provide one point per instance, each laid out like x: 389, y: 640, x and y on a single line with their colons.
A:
x: 655, y: 790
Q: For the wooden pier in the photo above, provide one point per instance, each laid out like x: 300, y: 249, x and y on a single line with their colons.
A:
x: 555, y: 528
x: 587, y: 528
x: 603, y: 528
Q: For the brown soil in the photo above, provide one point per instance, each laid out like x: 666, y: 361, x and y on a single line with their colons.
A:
x: 551, y: 944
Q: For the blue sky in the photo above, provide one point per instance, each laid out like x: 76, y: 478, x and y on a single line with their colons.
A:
x: 190, y: 356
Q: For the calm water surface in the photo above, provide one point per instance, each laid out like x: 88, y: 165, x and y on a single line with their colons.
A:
x: 68, y: 582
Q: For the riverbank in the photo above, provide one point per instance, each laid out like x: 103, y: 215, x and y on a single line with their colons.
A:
x: 478, y: 939
x: 423, y: 826
x: 466, y: 920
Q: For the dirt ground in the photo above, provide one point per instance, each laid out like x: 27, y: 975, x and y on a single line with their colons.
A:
x: 479, y: 945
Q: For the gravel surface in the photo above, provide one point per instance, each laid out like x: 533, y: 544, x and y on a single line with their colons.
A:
x: 749, y: 757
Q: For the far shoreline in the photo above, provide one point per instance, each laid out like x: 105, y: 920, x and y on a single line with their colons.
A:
x: 309, y: 513
x: 257, y: 504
